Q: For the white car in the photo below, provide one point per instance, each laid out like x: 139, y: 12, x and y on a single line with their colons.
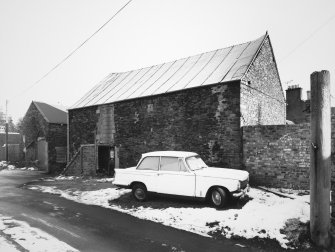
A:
x: 182, y: 173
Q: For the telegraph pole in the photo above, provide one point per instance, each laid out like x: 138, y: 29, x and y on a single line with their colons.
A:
x: 6, y: 132
x: 320, y: 169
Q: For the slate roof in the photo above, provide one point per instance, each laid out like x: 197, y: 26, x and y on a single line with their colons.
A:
x: 222, y: 65
x: 51, y: 114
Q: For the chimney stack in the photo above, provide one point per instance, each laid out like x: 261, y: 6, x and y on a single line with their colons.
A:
x: 293, y: 94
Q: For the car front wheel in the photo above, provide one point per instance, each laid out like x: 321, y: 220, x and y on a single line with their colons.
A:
x: 140, y: 192
x: 218, y: 197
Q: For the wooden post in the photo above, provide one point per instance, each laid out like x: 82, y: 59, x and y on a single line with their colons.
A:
x: 320, y: 169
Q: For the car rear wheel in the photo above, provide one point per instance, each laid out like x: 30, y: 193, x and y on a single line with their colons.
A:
x: 218, y: 197
x: 140, y: 192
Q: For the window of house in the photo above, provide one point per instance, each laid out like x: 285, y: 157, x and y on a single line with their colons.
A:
x: 169, y: 164
x: 149, y: 163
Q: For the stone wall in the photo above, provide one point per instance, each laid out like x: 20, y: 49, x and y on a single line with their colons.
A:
x: 262, y: 97
x: 82, y: 127
x: 204, y: 120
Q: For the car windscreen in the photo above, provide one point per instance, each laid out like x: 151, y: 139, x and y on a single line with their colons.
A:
x: 195, y: 163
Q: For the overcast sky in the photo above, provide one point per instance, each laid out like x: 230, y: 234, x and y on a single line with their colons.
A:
x: 35, y: 35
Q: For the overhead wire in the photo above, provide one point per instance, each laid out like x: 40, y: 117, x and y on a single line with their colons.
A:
x: 75, y: 50
x: 308, y: 38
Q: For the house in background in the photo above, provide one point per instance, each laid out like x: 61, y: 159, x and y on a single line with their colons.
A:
x: 44, y: 130
x: 297, y: 109
x: 198, y: 104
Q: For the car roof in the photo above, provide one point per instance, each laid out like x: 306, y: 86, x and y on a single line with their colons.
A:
x: 170, y: 154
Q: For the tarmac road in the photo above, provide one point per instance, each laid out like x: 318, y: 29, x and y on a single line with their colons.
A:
x: 93, y: 228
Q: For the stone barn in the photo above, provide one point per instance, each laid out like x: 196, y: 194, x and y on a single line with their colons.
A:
x: 44, y: 130
x: 198, y: 104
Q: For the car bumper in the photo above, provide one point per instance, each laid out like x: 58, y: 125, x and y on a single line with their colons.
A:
x: 241, y: 193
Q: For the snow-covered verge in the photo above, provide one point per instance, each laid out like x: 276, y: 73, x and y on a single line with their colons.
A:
x: 69, y: 178
x: 6, y: 245
x: 18, y: 236
x: 5, y: 165
x: 263, y: 216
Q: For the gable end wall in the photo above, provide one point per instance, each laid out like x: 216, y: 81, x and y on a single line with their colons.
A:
x: 262, y: 96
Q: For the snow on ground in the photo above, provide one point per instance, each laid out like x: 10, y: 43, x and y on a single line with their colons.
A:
x: 62, y: 178
x: 104, y: 180
x: 263, y: 216
x: 4, y: 165
x: 29, y: 238
x: 6, y: 246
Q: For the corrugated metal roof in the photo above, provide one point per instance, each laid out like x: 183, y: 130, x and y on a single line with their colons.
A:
x: 50, y: 113
x: 217, y: 66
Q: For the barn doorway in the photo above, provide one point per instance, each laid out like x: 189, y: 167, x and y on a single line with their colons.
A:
x: 106, y: 160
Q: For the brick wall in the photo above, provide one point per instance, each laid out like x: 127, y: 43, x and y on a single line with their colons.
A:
x: 279, y: 155
x: 262, y: 97
x: 88, y: 160
x: 74, y: 167
x: 83, y: 163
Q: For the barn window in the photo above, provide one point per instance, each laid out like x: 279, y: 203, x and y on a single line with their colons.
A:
x: 150, y: 108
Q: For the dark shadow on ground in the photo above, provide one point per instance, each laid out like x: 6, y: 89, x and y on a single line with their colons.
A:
x: 156, y: 201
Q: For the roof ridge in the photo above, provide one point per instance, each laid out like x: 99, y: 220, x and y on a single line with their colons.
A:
x: 215, y: 66
x: 193, y: 55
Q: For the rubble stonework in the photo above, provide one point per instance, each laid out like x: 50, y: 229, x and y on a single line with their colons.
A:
x: 189, y: 120
x: 262, y: 97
